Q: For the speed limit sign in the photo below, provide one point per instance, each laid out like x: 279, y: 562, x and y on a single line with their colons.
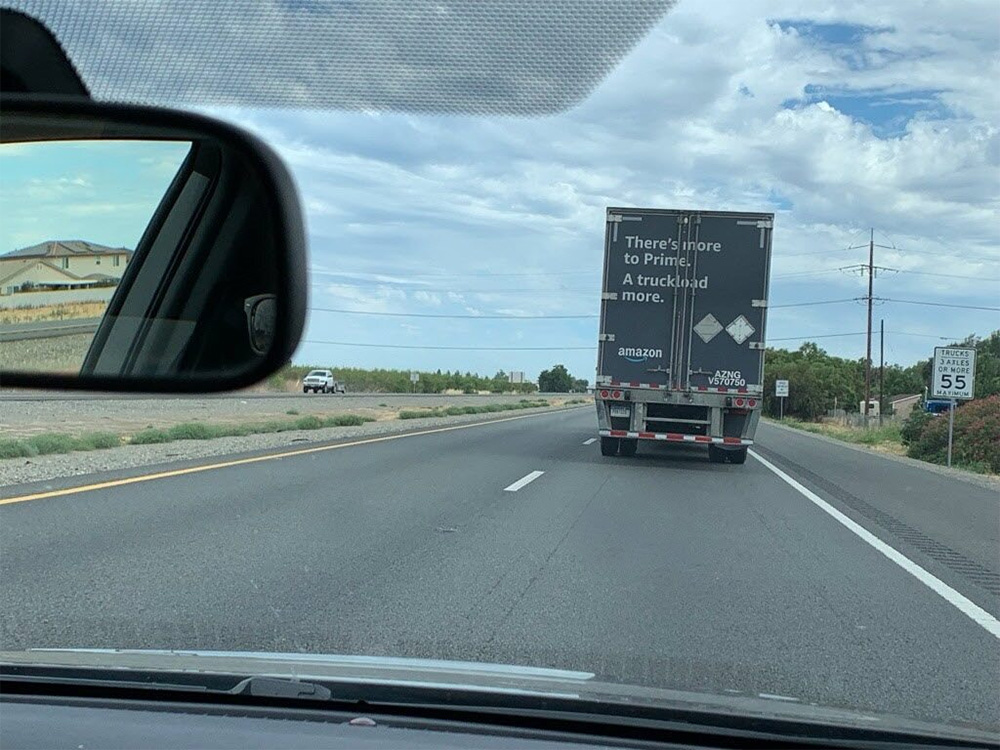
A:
x: 954, y: 373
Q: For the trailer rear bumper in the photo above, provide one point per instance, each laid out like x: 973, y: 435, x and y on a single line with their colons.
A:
x: 677, y: 437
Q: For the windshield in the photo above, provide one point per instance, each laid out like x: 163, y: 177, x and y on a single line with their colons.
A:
x: 688, y: 380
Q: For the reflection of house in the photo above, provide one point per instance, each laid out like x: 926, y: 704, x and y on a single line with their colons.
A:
x: 903, y: 404
x: 62, y: 264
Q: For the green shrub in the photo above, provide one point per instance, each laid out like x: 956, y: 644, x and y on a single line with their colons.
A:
x: 52, y: 442
x: 976, y: 436
x: 16, y: 449
x: 101, y: 440
x: 150, y: 436
x: 345, y: 420
x: 914, y: 425
x: 308, y: 423
x: 413, y: 414
x: 192, y: 431
x: 293, y: 412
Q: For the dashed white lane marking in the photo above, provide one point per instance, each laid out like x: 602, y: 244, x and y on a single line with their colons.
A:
x: 526, y: 479
x: 967, y: 607
x: 589, y: 441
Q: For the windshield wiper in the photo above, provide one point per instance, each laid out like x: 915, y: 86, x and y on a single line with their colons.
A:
x: 278, y: 687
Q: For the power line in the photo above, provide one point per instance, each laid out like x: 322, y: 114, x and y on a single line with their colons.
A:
x: 946, y: 275
x: 820, y: 336
x: 443, y: 315
x: 821, y: 302
x: 811, y: 273
x: 864, y: 333
x: 937, y: 304
x: 483, y: 275
x: 456, y: 348
x: 445, y: 290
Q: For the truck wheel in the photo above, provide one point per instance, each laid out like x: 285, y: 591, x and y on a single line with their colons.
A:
x: 628, y: 448
x: 326, y: 389
x: 716, y: 455
x: 305, y: 390
x: 738, y: 457
x: 609, y: 446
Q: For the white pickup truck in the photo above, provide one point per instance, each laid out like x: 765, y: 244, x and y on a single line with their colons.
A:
x: 321, y: 381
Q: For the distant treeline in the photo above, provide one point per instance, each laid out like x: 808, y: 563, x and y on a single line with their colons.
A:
x: 358, y: 380
x: 819, y: 382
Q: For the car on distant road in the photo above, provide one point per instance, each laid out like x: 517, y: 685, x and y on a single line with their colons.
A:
x: 321, y: 381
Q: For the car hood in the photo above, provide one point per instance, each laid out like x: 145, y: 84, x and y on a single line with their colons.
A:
x: 469, y: 677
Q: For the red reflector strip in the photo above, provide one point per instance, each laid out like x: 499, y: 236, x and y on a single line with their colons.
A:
x: 722, y: 390
x: 731, y: 441
x: 654, y: 385
x: 648, y: 435
x: 618, y: 433
x: 674, y: 436
x: 702, y: 439
x: 741, y: 390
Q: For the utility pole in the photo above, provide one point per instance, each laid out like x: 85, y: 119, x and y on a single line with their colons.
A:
x: 868, y: 351
x: 881, y: 370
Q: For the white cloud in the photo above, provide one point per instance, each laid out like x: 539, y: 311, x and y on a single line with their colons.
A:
x: 714, y: 109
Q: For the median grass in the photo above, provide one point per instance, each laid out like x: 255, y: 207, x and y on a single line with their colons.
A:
x: 51, y: 443
x: 207, y: 431
x: 454, y: 411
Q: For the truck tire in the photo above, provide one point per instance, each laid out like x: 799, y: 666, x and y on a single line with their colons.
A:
x: 716, y: 455
x: 305, y: 390
x: 628, y: 447
x: 738, y: 457
x: 609, y: 446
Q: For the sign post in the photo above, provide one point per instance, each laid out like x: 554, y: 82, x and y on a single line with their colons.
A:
x: 953, y: 377
x: 781, y: 391
x: 414, y: 379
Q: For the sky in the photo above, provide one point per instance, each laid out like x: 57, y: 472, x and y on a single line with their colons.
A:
x: 880, y: 115
x: 98, y: 191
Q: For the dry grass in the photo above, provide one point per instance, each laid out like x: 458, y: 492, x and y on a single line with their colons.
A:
x: 62, y: 311
x: 883, y: 439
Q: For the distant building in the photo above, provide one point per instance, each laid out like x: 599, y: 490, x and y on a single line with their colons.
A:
x: 62, y: 264
x: 517, y: 377
x: 903, y: 404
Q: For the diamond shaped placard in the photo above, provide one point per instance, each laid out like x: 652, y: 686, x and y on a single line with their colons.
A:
x: 740, y: 329
x: 708, y: 328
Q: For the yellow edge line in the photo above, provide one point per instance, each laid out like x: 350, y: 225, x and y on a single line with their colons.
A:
x: 256, y: 459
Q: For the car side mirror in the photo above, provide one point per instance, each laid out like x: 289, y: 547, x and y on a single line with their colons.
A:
x: 143, y: 249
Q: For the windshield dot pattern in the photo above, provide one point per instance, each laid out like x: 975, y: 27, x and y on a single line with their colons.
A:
x: 502, y: 57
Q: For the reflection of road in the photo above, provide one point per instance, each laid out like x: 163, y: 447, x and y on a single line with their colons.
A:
x: 43, y: 329
x: 517, y: 542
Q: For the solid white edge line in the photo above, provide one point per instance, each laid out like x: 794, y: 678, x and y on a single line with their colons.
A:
x: 968, y: 608
x: 526, y: 479
x: 588, y: 441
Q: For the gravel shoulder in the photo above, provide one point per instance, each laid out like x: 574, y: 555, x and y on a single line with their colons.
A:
x: 15, y: 471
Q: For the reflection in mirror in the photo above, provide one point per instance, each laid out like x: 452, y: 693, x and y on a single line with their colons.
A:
x: 71, y: 216
x: 262, y: 315
x: 132, y: 241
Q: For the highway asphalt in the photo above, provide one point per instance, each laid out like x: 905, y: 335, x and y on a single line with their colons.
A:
x: 517, y: 542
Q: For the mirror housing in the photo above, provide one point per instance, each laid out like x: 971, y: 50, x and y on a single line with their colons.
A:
x: 214, y: 295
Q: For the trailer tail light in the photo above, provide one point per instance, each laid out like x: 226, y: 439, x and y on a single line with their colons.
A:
x: 752, y: 403
x: 616, y: 394
x: 605, y: 394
